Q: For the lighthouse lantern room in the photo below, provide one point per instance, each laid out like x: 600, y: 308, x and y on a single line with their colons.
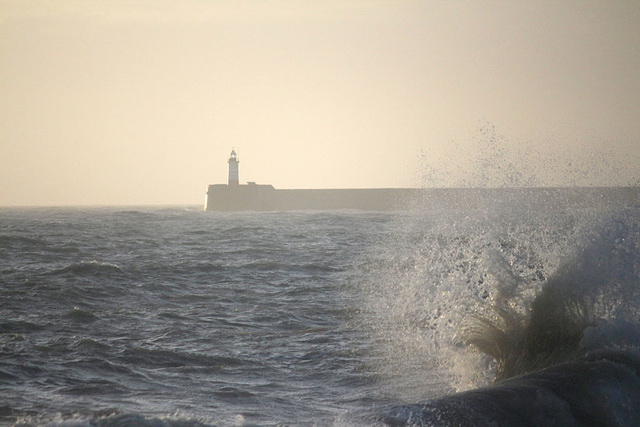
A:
x: 233, y: 169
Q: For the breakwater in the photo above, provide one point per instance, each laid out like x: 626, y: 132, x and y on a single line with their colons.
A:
x: 255, y: 197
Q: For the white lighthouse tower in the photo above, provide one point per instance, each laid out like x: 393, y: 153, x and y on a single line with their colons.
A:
x: 233, y: 169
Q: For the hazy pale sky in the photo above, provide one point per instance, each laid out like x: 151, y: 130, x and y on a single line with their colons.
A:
x: 141, y: 101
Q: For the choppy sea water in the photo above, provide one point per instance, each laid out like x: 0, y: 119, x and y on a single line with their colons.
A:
x: 174, y: 316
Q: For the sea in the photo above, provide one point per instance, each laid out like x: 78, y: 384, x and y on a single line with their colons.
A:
x: 171, y: 316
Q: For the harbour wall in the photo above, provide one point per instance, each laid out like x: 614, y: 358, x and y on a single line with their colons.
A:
x: 267, y: 198
x: 222, y: 197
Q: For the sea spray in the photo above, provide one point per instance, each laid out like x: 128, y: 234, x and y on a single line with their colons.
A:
x: 554, y: 327
x: 491, y: 158
x: 426, y: 282
x: 595, y: 287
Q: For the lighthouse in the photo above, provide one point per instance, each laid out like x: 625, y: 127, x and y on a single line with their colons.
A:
x: 233, y: 169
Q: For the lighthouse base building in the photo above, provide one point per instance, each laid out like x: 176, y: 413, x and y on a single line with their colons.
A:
x: 257, y: 197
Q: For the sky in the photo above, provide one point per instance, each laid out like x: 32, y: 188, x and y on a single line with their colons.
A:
x: 113, y: 102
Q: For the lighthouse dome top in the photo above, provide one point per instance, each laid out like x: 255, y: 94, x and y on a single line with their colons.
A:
x: 233, y: 154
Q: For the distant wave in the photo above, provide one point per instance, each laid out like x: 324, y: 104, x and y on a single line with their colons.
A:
x: 80, y: 315
x: 89, y: 268
x: 19, y: 327
x: 13, y: 241
x: 135, y: 214
x: 156, y: 358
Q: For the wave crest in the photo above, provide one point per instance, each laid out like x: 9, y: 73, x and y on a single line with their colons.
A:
x: 591, y: 296
x: 90, y: 268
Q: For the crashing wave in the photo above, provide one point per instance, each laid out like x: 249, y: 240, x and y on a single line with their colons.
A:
x: 571, y: 357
